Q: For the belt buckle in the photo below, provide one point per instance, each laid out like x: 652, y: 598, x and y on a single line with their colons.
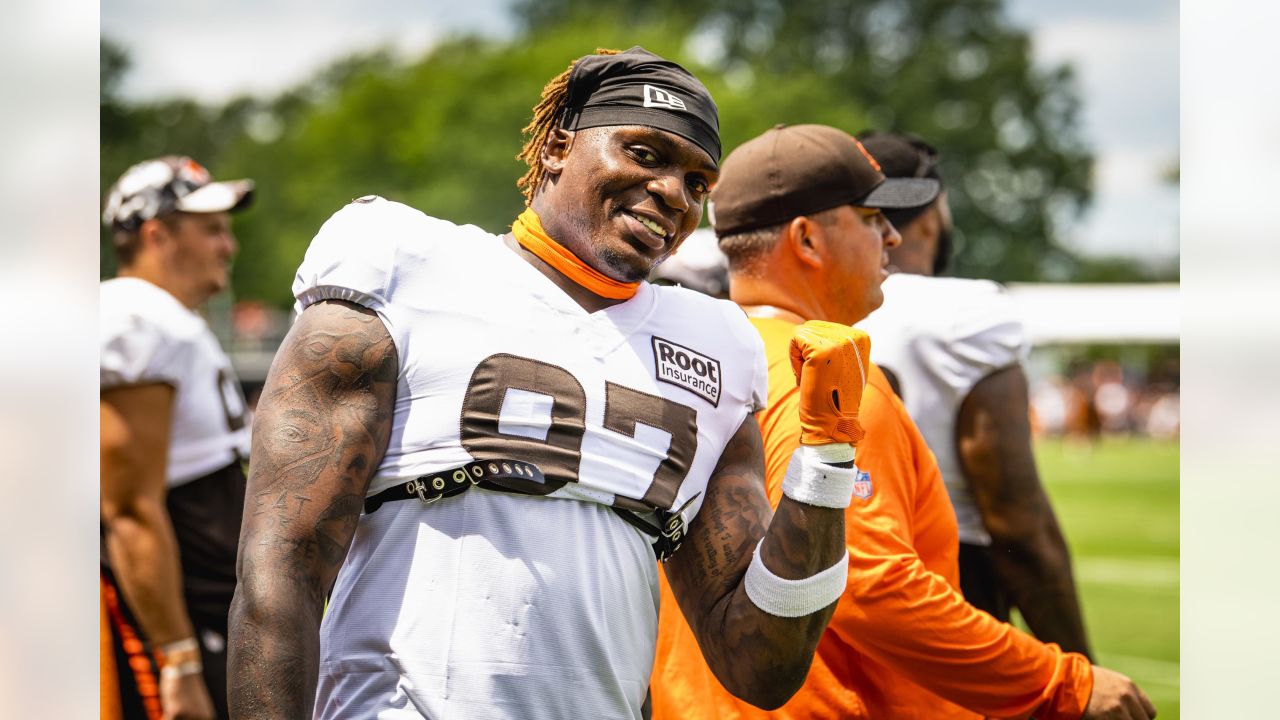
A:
x: 420, y: 489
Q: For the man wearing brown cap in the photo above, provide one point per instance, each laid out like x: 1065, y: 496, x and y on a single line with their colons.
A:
x: 173, y: 438
x: 800, y: 213
x: 475, y: 445
x: 954, y: 349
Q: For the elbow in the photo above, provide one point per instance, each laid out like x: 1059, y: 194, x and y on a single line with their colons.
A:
x: 122, y: 514
x: 1039, y: 550
x: 767, y: 688
x: 1013, y: 535
x: 265, y: 592
x: 1024, y: 536
x: 771, y: 690
x: 775, y: 693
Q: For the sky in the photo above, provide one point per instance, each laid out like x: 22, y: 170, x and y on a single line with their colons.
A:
x: 1125, y: 56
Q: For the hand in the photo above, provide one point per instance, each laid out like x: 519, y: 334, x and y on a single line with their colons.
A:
x: 1116, y: 697
x: 185, y: 698
x: 830, y: 363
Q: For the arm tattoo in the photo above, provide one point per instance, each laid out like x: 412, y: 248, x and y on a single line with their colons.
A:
x: 761, y: 658
x: 320, y: 432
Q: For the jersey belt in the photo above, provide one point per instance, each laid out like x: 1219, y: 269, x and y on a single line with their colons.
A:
x: 667, y: 535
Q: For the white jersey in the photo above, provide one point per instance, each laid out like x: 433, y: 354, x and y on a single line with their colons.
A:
x: 147, y: 336
x: 939, y: 337
x: 497, y: 605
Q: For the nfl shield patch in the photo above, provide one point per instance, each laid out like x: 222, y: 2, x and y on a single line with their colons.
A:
x: 862, y: 485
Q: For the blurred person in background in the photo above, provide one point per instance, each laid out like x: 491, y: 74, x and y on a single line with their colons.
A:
x: 954, y: 349
x: 1084, y: 422
x: 1112, y: 397
x: 699, y: 265
x: 800, y: 212
x: 173, y: 439
x: 1048, y: 407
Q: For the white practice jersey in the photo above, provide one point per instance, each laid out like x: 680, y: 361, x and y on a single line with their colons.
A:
x: 147, y: 336
x: 490, y: 604
x: 939, y: 337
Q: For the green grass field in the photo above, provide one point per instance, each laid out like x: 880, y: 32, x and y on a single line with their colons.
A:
x: 1118, y: 505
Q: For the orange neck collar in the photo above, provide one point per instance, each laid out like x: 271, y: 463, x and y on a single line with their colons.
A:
x: 528, y: 231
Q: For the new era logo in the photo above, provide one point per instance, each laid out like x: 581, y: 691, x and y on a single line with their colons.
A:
x: 655, y: 97
x: 689, y: 369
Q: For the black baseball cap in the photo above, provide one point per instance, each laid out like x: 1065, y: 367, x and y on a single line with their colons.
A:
x: 903, y: 155
x: 794, y: 170
x: 157, y: 187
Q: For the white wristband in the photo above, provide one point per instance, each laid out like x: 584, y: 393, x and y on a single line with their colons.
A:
x: 795, y: 598
x: 811, y: 480
x: 191, y: 667
x: 186, y: 644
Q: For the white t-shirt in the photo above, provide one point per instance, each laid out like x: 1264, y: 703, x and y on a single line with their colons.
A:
x: 147, y: 336
x: 498, y: 605
x: 939, y: 337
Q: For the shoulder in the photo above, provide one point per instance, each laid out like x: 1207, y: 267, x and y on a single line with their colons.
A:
x: 372, y: 244
x: 130, y: 304
x: 719, y: 330
x: 144, y: 333
x: 372, y: 213
x: 776, y: 334
x: 946, y: 303
x: 948, y: 317
x: 940, y: 301
x: 373, y: 222
x: 702, y: 309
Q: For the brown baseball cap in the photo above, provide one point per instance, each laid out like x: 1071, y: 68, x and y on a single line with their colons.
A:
x: 794, y: 170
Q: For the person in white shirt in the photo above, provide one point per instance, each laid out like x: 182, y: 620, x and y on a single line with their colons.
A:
x: 477, y: 444
x: 953, y: 349
x: 173, y: 438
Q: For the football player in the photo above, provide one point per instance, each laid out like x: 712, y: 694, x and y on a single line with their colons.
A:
x: 478, y: 444
x: 173, y: 438
x: 954, y: 348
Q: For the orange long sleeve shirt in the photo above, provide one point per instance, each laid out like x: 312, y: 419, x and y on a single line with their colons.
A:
x: 903, y: 643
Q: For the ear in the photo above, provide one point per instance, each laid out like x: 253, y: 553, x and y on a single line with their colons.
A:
x: 806, y: 240
x: 556, y: 150
x: 153, y: 234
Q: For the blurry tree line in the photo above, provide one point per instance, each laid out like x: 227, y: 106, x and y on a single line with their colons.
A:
x: 441, y: 132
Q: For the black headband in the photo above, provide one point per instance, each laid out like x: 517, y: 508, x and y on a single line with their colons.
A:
x: 637, y: 87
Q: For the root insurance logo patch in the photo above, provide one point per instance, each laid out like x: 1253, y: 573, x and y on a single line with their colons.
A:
x: 689, y: 369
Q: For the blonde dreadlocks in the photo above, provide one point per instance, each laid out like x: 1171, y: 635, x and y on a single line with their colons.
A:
x: 545, y: 116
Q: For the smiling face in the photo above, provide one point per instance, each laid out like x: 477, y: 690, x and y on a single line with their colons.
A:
x: 622, y: 198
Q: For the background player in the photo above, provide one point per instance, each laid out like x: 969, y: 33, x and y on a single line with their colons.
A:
x: 580, y: 402
x: 172, y: 440
x: 954, y: 348
x: 798, y: 213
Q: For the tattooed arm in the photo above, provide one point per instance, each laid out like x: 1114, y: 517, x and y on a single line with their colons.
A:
x: 1029, y: 554
x: 319, y: 434
x: 759, y: 657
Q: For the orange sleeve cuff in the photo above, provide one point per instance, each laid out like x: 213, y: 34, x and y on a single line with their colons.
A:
x: 1073, y: 683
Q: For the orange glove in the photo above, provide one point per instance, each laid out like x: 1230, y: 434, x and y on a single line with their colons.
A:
x: 830, y: 363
